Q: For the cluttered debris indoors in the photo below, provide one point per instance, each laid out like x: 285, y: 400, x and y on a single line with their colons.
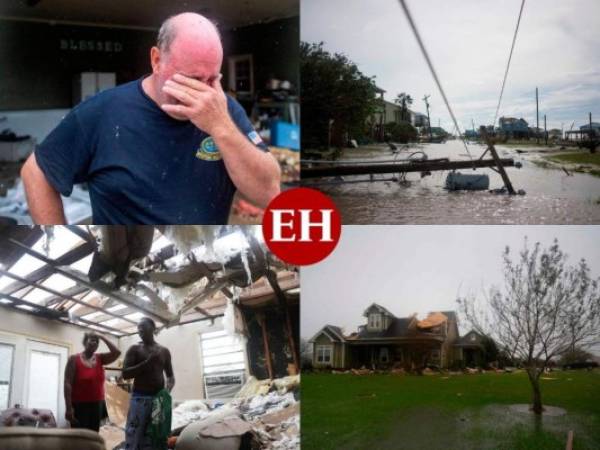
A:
x: 226, y: 308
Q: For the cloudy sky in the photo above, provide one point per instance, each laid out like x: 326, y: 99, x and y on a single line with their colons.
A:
x: 557, y: 50
x: 419, y: 269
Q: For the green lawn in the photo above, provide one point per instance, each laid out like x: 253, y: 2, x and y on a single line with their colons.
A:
x: 576, y: 160
x: 439, y: 412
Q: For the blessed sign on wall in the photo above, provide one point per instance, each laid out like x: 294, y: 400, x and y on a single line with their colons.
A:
x: 85, y: 45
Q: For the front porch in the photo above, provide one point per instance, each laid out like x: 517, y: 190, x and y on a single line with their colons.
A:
x: 410, y: 356
x: 470, y: 356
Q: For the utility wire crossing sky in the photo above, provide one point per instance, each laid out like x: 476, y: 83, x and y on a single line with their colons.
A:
x: 469, y: 43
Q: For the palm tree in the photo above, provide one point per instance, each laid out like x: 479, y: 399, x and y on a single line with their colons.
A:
x: 404, y: 100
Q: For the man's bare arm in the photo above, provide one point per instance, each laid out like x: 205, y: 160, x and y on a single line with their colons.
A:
x: 45, y: 204
x: 131, y: 369
x: 254, y: 173
x: 169, y: 371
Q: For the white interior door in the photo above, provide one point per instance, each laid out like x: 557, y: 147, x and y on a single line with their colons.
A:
x: 44, y: 378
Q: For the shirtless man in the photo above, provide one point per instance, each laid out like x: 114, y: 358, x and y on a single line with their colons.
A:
x: 147, y: 363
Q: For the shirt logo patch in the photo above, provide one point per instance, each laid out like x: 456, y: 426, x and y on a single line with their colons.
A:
x: 208, y: 150
x: 255, y: 138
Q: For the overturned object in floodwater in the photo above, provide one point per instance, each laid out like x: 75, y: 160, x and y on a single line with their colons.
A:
x: 456, y: 181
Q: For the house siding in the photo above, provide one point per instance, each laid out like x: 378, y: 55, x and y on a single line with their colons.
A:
x: 338, y: 358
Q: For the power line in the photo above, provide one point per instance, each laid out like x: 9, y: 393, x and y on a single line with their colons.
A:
x: 512, y: 47
x: 432, y: 69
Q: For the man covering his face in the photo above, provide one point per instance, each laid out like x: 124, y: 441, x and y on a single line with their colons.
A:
x: 170, y: 148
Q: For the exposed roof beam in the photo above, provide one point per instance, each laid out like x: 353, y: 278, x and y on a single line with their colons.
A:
x: 207, y: 292
x: 131, y: 300
x: 105, y: 317
x: 186, y: 322
x: 61, y: 295
x: 70, y: 292
x: 49, y: 313
x: 149, y: 308
x: 73, y: 255
x: 81, y: 233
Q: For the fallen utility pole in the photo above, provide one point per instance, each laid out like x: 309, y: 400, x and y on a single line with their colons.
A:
x: 498, y: 163
x: 416, y: 166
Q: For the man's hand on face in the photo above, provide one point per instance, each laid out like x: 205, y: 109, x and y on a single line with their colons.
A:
x: 205, y: 105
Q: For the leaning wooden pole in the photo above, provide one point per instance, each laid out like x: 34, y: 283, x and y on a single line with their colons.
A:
x: 272, y: 278
x: 414, y: 166
x: 489, y: 139
x: 261, y: 321
x: 500, y: 169
x: 569, y: 440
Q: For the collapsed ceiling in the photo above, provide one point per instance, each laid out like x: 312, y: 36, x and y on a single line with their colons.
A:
x: 107, y: 277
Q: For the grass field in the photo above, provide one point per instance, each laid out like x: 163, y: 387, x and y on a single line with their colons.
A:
x: 579, y: 162
x: 440, y: 412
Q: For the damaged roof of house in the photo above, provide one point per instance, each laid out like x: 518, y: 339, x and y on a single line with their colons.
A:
x: 399, y: 327
x: 107, y: 278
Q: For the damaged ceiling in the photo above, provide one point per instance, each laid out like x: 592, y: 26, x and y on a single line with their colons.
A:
x: 106, y: 278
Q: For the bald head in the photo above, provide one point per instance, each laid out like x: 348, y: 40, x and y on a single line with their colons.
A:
x: 188, y: 44
x: 191, y: 32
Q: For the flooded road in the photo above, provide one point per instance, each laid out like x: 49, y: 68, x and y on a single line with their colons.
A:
x: 552, y: 196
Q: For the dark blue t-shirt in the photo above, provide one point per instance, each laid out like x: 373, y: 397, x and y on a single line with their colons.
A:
x: 141, y: 165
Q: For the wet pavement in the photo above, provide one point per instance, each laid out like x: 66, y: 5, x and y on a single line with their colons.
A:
x: 552, y: 196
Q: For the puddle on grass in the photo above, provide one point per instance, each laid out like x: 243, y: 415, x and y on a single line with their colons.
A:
x: 549, y: 411
x: 552, y: 195
x: 489, y: 428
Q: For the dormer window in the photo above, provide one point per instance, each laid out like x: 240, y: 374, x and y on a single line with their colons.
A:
x: 375, y: 321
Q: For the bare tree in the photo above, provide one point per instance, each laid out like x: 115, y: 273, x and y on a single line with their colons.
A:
x: 306, y: 353
x: 545, y: 309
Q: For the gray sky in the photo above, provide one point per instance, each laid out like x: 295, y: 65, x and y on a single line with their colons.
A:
x: 419, y: 269
x: 469, y: 43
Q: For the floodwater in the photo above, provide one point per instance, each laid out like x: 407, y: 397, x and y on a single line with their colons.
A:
x: 552, y: 196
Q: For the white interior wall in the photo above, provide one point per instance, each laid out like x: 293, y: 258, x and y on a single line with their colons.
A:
x: 183, y: 341
x: 21, y: 330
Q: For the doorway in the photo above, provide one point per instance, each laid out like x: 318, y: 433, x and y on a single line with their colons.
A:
x: 44, y: 378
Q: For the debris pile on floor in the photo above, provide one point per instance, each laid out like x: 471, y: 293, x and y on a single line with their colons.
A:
x: 289, y: 161
x: 266, y: 413
x: 188, y: 412
x: 13, y: 205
